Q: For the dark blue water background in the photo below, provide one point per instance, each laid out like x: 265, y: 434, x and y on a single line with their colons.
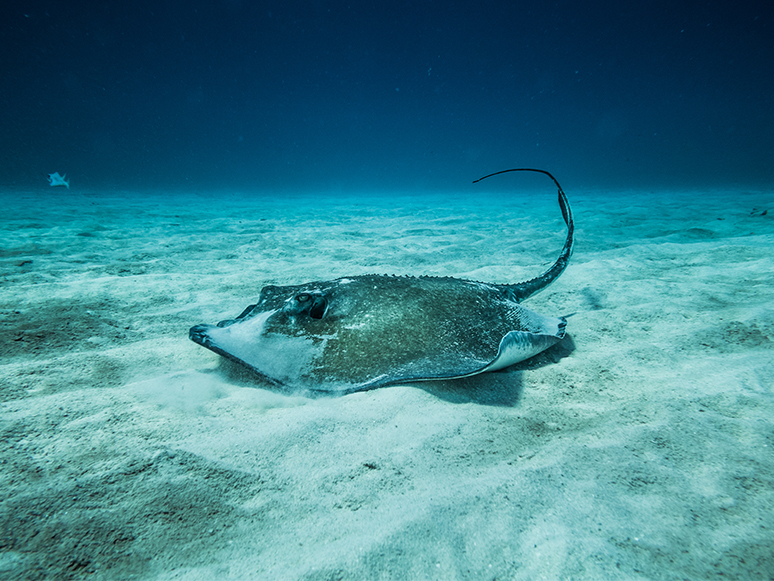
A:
x: 335, y: 97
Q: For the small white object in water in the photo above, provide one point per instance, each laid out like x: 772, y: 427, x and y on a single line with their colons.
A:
x: 56, y: 180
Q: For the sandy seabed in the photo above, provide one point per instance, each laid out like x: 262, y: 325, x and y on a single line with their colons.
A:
x: 640, y: 447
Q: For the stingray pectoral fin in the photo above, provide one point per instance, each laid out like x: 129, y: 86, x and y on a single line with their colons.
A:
x: 519, y: 346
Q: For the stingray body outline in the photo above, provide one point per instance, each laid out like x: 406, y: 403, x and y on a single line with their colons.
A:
x: 54, y: 180
x: 363, y: 332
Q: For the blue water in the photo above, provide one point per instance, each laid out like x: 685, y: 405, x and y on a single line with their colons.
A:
x: 343, y: 97
x: 215, y: 148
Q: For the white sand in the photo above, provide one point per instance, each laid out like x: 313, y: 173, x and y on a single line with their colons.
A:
x: 641, y: 447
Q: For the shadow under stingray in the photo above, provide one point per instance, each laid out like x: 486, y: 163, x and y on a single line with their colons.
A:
x: 496, y: 388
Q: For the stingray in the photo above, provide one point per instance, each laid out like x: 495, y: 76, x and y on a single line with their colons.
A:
x: 363, y: 332
x: 54, y: 179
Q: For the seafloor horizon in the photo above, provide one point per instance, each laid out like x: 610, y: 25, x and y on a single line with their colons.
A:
x: 640, y: 447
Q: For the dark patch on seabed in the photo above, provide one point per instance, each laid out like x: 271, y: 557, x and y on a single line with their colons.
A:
x: 70, y: 521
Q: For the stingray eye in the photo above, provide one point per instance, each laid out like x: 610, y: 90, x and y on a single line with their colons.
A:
x: 312, y: 304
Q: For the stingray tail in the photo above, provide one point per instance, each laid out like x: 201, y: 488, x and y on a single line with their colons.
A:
x: 527, y: 288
